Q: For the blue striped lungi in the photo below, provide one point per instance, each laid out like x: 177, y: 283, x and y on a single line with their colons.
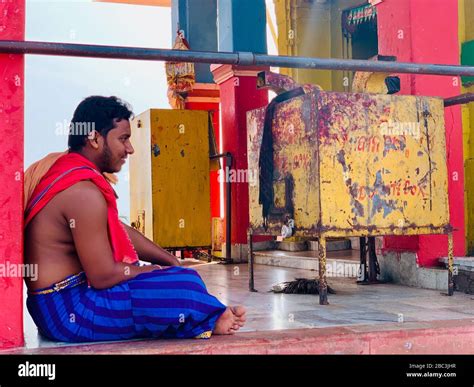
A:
x: 166, y: 303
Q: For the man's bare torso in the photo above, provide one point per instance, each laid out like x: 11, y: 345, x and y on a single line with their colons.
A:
x: 49, y: 242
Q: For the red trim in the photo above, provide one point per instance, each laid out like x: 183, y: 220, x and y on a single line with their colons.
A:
x: 239, y: 94
x: 404, y: 28
x: 12, y: 20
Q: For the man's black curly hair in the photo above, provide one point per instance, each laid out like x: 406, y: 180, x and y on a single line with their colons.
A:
x: 96, y: 113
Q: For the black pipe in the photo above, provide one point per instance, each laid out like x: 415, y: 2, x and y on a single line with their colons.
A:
x: 228, y: 205
x: 236, y: 58
x: 459, y: 99
x: 363, y: 260
x: 372, y: 259
x: 250, y: 260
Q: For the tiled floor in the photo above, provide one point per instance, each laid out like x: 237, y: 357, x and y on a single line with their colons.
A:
x: 352, y: 305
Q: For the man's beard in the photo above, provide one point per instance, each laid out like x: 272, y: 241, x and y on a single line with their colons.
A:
x: 106, y: 161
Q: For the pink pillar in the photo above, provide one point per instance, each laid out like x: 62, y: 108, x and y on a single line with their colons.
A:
x: 12, y: 27
x: 426, y: 31
x: 239, y: 94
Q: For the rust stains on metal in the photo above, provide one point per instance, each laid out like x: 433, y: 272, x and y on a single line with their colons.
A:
x: 362, y: 164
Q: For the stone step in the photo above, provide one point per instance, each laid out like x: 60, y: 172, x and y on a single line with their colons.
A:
x: 414, y: 338
x: 339, y: 267
x: 313, y: 245
x: 292, y: 245
x: 402, y: 268
x: 463, y: 273
x: 463, y: 263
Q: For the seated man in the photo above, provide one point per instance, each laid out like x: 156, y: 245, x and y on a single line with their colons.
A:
x: 90, y: 286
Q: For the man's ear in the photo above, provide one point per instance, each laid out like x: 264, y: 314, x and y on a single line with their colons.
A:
x: 93, y: 138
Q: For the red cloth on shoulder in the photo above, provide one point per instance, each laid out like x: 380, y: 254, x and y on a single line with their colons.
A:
x: 69, y: 170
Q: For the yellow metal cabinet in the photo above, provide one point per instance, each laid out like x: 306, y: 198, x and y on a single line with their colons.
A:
x: 169, y: 177
x: 349, y: 164
x: 354, y: 164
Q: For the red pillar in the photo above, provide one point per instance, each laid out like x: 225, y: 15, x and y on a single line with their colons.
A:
x: 205, y: 96
x: 426, y: 31
x: 239, y: 94
x: 12, y: 27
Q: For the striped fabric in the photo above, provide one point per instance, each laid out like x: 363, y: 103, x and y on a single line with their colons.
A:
x: 167, y: 303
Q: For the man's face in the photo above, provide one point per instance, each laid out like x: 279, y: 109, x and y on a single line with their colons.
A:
x: 116, y: 147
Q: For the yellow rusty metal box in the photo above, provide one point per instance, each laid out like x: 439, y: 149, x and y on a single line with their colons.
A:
x: 169, y: 177
x: 353, y: 164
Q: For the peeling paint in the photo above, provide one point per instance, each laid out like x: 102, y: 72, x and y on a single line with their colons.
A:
x: 349, y: 177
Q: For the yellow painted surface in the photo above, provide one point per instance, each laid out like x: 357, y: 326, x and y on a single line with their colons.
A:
x: 374, y: 165
x: 303, y: 30
x: 140, y: 173
x: 466, y: 33
x: 170, y: 168
x: 313, y: 29
x: 366, y: 82
x: 295, y: 156
x: 469, y: 204
x: 462, y: 21
x: 383, y: 162
x: 217, y: 234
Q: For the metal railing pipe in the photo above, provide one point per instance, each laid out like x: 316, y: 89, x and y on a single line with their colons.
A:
x: 236, y: 58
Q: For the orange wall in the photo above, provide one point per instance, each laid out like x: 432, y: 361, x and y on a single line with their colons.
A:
x: 156, y: 3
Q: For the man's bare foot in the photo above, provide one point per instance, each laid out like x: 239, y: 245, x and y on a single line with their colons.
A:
x: 225, y: 323
x: 240, y: 315
x: 230, y: 321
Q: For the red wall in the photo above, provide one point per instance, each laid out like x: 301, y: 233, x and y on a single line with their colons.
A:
x: 214, y: 183
x: 12, y: 23
x: 238, y: 96
x: 426, y: 31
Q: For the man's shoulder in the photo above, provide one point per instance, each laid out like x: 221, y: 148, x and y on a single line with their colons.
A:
x: 81, y: 196
x: 83, y: 187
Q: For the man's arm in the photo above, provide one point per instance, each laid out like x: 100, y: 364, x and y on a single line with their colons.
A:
x: 86, y: 212
x: 149, y: 251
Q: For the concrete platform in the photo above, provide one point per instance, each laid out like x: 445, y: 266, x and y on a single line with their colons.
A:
x: 381, y: 318
x: 440, y: 337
